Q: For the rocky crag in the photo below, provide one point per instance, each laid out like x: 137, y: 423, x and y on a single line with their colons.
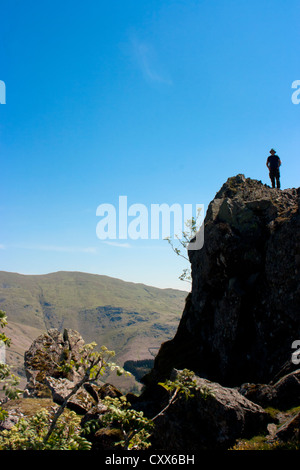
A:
x: 236, y: 335
x: 243, y: 313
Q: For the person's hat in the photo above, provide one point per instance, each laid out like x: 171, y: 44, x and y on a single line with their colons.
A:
x: 272, y: 150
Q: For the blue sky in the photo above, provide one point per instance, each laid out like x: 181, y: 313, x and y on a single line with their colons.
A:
x: 160, y: 101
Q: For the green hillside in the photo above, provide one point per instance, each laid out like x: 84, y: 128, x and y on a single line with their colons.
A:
x: 132, y: 319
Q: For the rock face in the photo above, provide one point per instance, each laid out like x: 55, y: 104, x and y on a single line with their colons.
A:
x: 243, y: 312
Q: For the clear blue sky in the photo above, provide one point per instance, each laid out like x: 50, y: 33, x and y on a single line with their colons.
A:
x: 160, y: 101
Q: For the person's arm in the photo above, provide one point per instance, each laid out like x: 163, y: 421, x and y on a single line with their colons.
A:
x: 279, y: 163
x: 267, y: 162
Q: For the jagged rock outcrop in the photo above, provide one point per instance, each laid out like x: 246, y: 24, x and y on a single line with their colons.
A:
x: 45, y: 356
x: 47, y: 378
x: 243, y: 312
x: 213, y: 420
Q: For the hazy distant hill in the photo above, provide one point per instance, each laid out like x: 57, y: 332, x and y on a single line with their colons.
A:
x: 126, y: 317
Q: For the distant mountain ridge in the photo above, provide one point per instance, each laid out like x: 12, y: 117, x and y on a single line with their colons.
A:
x: 132, y: 319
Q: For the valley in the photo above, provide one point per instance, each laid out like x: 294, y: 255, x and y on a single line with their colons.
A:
x: 129, y: 318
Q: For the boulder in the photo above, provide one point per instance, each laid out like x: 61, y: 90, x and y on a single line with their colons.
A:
x: 108, y: 390
x: 290, y: 431
x: 10, y: 420
x: 42, y: 360
x: 205, y: 422
x: 81, y: 402
x: 45, y: 356
x: 47, y: 379
x: 283, y: 394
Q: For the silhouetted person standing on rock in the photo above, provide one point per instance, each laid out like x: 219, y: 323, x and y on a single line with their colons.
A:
x: 273, y: 163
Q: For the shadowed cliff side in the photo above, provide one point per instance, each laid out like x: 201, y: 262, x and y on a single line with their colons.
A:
x: 243, y: 312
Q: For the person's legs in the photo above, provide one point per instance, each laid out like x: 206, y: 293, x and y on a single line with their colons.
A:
x: 277, y: 179
x: 272, y: 178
